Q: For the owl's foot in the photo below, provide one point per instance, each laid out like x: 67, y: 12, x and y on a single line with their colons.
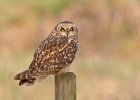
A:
x: 67, y: 70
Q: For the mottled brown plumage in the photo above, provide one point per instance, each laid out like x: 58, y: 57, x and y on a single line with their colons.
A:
x: 54, y: 54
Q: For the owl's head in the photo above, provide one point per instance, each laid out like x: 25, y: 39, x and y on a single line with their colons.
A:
x: 65, y: 28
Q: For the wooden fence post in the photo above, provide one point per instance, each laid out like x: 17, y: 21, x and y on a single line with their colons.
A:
x: 65, y: 86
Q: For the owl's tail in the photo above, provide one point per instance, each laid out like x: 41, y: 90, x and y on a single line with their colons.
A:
x: 25, y: 78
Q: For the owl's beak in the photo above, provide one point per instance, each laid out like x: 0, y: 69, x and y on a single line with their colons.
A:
x: 68, y: 32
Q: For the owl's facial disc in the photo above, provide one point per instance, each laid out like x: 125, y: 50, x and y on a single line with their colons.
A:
x: 67, y: 30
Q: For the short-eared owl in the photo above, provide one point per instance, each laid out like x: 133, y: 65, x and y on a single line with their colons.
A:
x: 54, y: 55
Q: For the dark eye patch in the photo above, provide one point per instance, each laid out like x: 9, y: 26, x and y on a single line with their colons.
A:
x: 62, y: 29
x: 71, y: 29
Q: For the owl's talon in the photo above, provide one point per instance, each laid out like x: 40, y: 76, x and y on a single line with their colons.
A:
x: 67, y: 70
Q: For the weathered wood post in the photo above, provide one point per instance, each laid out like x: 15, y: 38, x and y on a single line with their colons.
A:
x: 65, y: 86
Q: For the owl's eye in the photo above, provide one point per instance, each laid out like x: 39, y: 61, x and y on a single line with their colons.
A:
x: 72, y: 29
x: 62, y: 29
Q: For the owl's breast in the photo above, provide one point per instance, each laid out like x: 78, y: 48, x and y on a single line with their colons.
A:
x: 67, y: 55
x: 61, y: 56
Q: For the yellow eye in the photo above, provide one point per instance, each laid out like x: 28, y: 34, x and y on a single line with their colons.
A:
x: 62, y: 29
x: 72, y: 29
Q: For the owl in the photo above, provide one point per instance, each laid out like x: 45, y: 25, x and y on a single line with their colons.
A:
x: 53, y: 56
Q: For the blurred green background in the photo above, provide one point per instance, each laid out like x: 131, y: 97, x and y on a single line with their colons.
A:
x: 107, y: 63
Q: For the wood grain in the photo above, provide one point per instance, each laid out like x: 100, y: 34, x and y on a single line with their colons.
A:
x: 65, y: 86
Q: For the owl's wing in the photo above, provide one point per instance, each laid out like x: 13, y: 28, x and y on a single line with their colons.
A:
x: 46, y: 49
